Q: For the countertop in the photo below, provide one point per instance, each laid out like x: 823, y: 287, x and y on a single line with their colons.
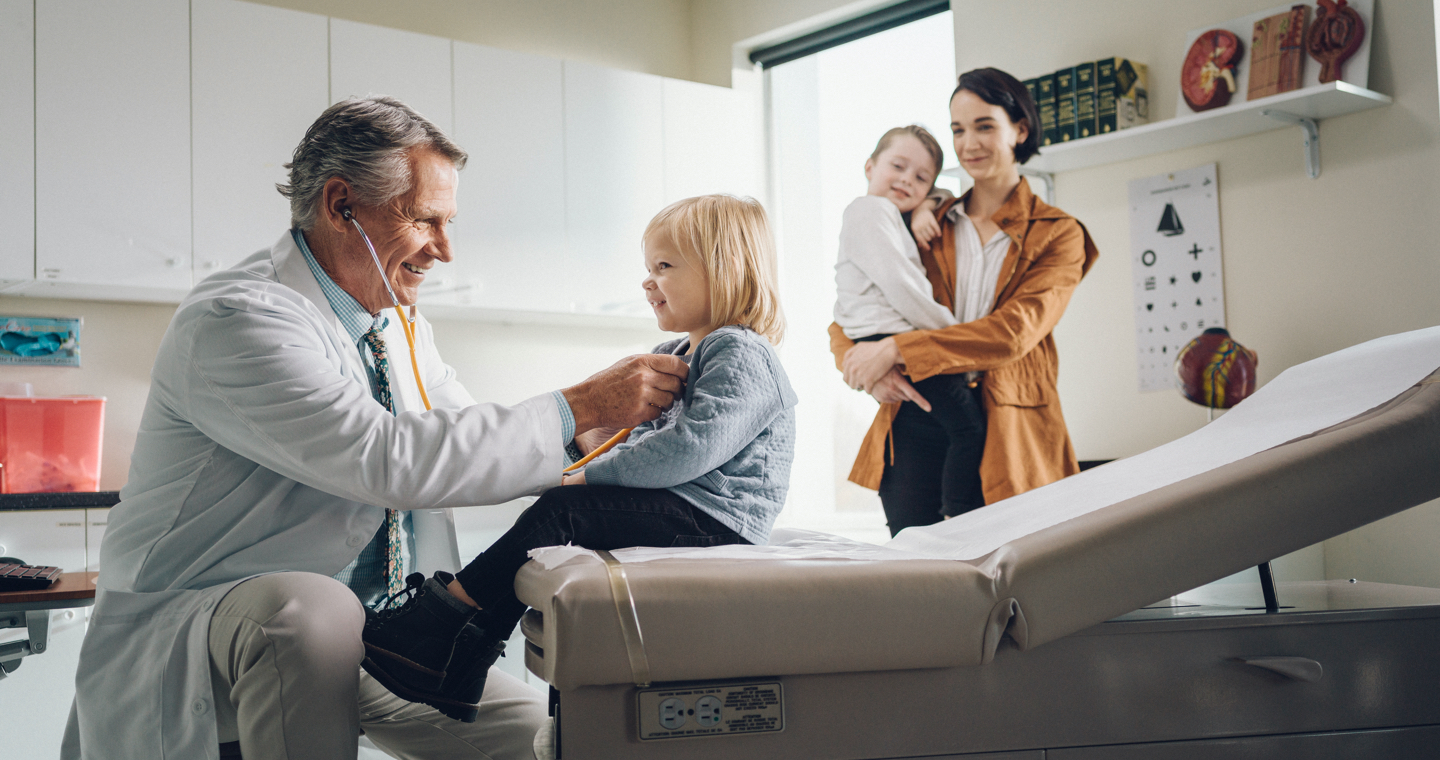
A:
x: 12, y: 502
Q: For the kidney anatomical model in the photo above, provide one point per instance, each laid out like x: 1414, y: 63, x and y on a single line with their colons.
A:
x: 1207, y: 79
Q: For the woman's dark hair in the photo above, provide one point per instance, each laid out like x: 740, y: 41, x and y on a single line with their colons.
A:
x: 1000, y: 89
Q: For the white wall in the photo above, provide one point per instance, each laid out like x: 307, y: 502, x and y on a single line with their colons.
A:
x: 1311, y: 266
x: 652, y: 36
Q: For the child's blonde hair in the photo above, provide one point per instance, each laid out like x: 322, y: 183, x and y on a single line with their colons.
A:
x: 730, y: 238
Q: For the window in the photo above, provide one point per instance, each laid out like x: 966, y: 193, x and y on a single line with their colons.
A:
x: 826, y: 111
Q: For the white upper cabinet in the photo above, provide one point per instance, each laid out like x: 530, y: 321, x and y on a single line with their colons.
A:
x: 614, y: 184
x: 509, y: 233
x: 260, y: 77
x: 17, y: 141
x: 375, y: 60
x: 112, y: 146
x: 713, y: 141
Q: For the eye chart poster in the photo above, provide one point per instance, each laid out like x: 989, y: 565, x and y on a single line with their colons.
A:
x: 1175, y: 258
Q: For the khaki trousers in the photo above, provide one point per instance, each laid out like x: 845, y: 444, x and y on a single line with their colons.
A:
x: 285, y: 655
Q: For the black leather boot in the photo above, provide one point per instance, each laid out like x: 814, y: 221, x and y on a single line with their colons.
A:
x: 408, y: 648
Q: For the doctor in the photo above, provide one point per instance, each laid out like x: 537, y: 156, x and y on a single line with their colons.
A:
x: 283, y: 441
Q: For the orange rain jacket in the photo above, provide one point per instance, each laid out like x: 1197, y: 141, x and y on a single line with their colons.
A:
x: 1026, y: 443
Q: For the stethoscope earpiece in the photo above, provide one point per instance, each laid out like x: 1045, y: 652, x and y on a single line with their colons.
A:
x: 347, y: 215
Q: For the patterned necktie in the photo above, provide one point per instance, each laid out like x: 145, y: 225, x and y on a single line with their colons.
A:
x: 393, y: 561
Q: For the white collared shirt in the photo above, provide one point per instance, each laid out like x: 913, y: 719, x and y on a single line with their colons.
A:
x: 977, y: 267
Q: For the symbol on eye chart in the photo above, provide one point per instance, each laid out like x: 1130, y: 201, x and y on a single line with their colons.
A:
x: 1173, y: 304
x: 1149, y: 283
x: 1184, y: 326
x: 1198, y: 302
x: 1170, y: 224
x: 1172, y: 280
x: 1199, y: 324
x: 1195, y: 251
x: 1149, y: 307
x: 1148, y: 258
x: 1195, y: 276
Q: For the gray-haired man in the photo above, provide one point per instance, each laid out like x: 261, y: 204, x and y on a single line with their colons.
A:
x: 283, y: 441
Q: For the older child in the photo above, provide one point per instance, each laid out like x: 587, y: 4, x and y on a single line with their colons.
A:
x: 882, y: 290
x: 713, y: 469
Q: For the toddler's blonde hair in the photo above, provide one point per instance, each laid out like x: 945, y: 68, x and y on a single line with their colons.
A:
x: 730, y: 239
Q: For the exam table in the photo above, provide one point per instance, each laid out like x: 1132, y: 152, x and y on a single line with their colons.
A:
x: 1067, y: 626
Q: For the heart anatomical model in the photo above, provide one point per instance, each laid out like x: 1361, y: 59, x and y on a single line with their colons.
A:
x: 1207, y: 78
x: 1215, y: 371
x: 1335, y: 36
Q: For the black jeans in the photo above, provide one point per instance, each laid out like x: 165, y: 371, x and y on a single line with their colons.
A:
x: 595, y: 517
x: 936, y: 471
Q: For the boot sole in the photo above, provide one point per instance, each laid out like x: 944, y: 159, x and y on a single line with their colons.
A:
x: 461, y: 711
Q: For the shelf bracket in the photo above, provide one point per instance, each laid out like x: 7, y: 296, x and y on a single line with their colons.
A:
x: 1049, y: 182
x: 1312, y: 137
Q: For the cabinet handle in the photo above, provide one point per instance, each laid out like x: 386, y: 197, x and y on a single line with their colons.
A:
x: 1296, y: 668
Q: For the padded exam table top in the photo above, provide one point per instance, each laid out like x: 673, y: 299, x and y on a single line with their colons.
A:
x: 1154, y: 527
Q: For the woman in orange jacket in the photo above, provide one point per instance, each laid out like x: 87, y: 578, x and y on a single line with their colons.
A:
x: 1007, y: 263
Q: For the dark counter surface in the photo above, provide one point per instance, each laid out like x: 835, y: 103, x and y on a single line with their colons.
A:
x: 12, y: 502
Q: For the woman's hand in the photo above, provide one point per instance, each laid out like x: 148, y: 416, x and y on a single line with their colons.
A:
x: 924, y: 225
x: 865, y: 363
x: 893, y: 388
x: 573, y: 478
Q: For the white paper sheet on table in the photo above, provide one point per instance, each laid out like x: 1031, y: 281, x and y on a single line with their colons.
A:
x: 785, y: 543
x: 1302, y: 400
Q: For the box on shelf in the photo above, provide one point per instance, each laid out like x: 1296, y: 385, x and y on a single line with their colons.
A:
x: 50, y: 444
x: 1132, y: 94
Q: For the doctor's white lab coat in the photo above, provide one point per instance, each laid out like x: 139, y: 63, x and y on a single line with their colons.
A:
x: 261, y: 450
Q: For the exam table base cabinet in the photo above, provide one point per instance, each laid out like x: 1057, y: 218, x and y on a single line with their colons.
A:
x: 1175, y: 687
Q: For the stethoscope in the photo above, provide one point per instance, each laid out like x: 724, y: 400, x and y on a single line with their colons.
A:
x: 407, y: 322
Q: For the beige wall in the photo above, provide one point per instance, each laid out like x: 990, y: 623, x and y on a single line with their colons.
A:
x: 1311, y: 266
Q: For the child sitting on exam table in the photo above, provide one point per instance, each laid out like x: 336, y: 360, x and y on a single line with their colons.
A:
x: 713, y: 469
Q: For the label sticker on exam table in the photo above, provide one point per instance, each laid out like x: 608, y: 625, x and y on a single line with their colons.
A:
x: 711, y: 710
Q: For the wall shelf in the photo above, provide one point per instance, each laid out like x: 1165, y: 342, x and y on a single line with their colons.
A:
x: 1238, y: 120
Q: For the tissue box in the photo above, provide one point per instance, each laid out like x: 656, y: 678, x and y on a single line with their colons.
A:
x: 50, y: 444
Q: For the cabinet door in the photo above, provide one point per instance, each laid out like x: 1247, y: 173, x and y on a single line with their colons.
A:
x: 112, y: 143
x: 614, y: 184
x: 54, y: 537
x: 712, y: 141
x: 96, y: 521
x: 17, y: 141
x: 259, y: 78
x: 509, y: 234
x: 374, y: 60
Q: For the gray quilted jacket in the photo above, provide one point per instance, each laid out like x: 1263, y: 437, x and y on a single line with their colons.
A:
x: 727, y: 445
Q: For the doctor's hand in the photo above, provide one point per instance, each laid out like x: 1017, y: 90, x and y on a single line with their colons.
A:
x: 894, y: 387
x: 635, y: 389
x: 865, y: 363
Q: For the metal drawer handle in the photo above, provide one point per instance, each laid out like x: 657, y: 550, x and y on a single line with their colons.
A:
x: 1297, y: 668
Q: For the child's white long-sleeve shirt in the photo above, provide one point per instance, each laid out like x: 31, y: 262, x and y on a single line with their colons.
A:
x: 880, y: 283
